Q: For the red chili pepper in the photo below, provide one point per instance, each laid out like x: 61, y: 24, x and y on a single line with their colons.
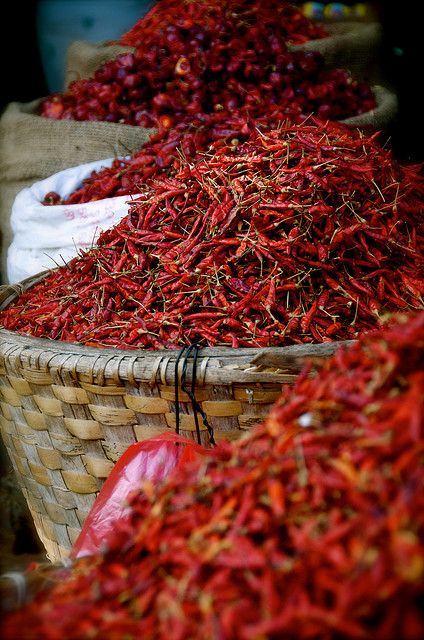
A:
x: 223, y: 62
x: 192, y: 250
x: 307, y: 318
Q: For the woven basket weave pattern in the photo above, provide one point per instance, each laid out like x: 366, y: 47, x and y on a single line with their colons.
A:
x: 68, y: 412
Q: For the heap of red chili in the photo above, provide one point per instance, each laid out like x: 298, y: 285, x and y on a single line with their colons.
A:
x: 202, y: 57
x: 128, y: 176
x: 311, y: 527
x: 307, y: 233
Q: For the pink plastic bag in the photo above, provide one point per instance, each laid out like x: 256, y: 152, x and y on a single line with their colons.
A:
x: 151, y: 459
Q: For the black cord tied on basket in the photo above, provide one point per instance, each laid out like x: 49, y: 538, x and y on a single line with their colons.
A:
x: 185, y: 353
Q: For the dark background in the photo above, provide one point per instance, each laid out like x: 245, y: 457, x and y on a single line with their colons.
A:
x: 22, y: 73
x: 401, y: 59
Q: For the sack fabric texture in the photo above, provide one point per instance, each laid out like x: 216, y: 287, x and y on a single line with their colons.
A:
x: 47, y: 236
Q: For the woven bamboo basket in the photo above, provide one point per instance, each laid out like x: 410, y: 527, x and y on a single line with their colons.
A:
x: 68, y: 412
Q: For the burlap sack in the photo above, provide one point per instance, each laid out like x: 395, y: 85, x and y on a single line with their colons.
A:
x: 83, y: 58
x: 33, y: 147
x: 352, y: 45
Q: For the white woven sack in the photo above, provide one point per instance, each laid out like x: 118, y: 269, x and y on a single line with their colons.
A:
x: 45, y: 236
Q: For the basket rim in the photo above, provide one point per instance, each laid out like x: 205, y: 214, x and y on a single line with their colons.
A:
x: 268, y: 364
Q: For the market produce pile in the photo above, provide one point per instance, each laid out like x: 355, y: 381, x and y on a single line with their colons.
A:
x: 304, y: 233
x: 201, y: 57
x: 310, y: 527
x: 129, y: 175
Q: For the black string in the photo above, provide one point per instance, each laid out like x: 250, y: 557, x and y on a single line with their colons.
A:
x: 190, y: 392
x: 193, y: 404
x: 176, y: 384
x: 184, y: 388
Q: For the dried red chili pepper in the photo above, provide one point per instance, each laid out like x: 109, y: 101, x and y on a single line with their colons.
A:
x: 237, y: 253
x: 225, y: 57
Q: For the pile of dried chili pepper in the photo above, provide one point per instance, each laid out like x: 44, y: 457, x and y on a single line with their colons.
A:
x: 162, y: 151
x: 305, y: 233
x: 202, y: 57
x: 310, y: 527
